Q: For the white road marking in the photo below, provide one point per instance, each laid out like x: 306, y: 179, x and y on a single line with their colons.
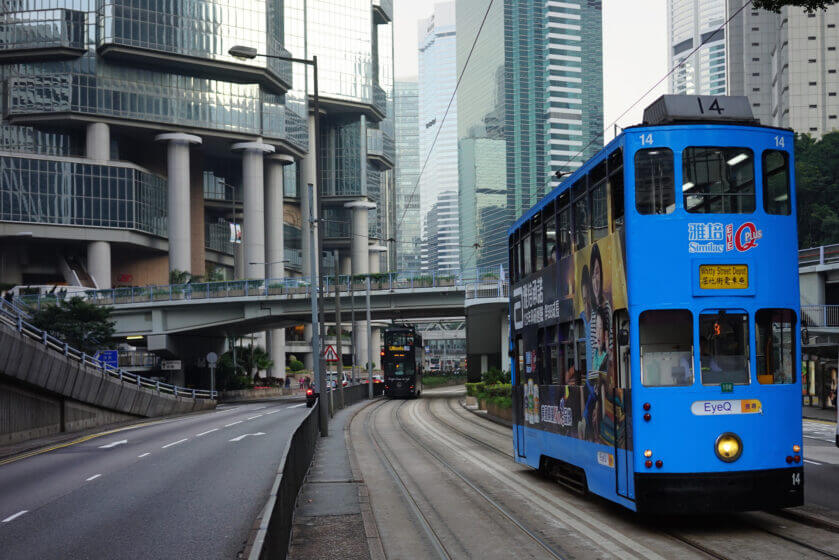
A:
x: 260, y: 407
x: 226, y: 410
x: 15, y: 516
x: 94, y: 477
x: 811, y: 462
x: 820, y: 439
x: 240, y: 438
x: 143, y: 455
x: 233, y: 423
x: 297, y: 405
x: 257, y: 416
x: 207, y: 432
x: 272, y: 412
x: 174, y: 443
x: 113, y: 444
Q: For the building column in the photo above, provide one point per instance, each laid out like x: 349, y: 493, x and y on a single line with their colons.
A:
x: 253, y: 199
x: 178, y: 207
x: 360, y: 235
x: 375, y: 260
x: 98, y: 142
x: 99, y: 263
x: 274, y: 250
x: 346, y: 264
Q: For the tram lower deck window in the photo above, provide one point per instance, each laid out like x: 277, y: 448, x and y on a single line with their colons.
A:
x: 724, y: 347
x: 775, y: 349
x: 666, y: 347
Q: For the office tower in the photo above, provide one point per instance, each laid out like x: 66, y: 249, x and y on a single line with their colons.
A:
x: 690, y: 23
x: 407, y: 220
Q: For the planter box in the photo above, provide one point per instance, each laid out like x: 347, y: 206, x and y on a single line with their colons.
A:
x: 503, y: 413
x: 471, y: 401
x: 482, y: 404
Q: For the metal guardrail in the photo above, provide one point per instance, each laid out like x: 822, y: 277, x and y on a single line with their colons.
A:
x: 820, y: 315
x: 12, y: 317
x: 477, y: 283
x: 826, y: 254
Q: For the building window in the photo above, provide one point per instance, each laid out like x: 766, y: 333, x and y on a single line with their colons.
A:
x: 756, y: 74
x: 812, y: 83
x: 811, y: 60
x: 813, y: 106
x: 811, y: 38
x: 755, y: 60
x: 756, y: 89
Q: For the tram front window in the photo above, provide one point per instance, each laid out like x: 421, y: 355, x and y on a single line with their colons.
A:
x: 724, y: 348
x: 718, y: 180
x: 666, y: 347
x: 398, y: 369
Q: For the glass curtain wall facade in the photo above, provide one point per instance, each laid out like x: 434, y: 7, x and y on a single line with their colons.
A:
x: 530, y: 105
x: 438, y: 138
x: 407, y: 224
x: 689, y: 24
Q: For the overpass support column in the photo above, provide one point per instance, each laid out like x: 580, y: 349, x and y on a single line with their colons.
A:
x: 360, y: 264
x: 180, y: 253
x: 376, y: 335
x: 375, y: 257
x: 98, y: 142
x: 253, y: 199
x: 274, y: 250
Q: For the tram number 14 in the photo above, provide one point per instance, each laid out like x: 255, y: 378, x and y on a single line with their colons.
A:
x: 714, y: 106
x: 796, y: 479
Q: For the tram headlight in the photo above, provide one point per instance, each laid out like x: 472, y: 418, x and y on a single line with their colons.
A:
x: 728, y: 447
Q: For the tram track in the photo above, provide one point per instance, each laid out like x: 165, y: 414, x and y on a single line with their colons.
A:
x: 384, y: 451
x: 488, y: 499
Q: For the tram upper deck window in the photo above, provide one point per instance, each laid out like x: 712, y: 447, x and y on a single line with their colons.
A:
x: 776, y: 182
x: 666, y: 337
x: 654, y: 190
x: 775, y: 349
x: 551, y: 254
x: 616, y: 186
x: 581, y: 213
x: 718, y: 180
x: 724, y: 347
x: 536, y: 238
x: 564, y: 224
x: 597, y: 193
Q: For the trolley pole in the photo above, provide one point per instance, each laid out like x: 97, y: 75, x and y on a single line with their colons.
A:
x: 320, y: 378
x: 338, y: 331
x: 369, y: 346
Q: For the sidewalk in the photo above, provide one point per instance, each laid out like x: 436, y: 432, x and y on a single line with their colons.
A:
x: 333, y: 519
x: 816, y: 413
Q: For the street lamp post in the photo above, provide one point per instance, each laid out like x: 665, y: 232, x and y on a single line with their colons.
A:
x: 240, y: 51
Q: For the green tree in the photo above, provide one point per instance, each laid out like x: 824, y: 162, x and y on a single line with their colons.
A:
x: 817, y: 188
x: 808, y: 5
x: 82, y: 325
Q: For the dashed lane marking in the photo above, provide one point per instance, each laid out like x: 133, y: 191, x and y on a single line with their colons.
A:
x: 143, y: 455
x: 174, y: 443
x: 811, y: 462
x: 257, y: 416
x: 94, y: 477
x: 15, y: 516
x: 272, y: 412
x: 296, y: 405
x: 207, y: 432
x: 233, y: 423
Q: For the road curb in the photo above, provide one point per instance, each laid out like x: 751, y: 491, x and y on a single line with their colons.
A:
x: 486, y: 415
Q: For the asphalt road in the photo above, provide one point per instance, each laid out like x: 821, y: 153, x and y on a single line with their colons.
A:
x: 189, y: 487
x: 821, y: 464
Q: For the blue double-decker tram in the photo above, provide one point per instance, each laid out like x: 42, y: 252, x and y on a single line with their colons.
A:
x: 654, y: 317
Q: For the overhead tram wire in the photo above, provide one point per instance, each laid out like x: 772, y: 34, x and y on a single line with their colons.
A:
x: 646, y: 93
x: 443, y: 120
x: 415, y: 243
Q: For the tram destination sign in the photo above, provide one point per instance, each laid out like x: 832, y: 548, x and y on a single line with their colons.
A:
x: 723, y: 276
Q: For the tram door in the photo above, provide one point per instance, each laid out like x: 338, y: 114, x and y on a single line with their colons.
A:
x: 622, y: 385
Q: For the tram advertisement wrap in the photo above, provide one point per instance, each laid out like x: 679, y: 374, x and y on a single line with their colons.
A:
x: 576, y: 396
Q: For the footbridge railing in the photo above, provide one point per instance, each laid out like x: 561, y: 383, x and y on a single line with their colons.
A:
x: 15, y: 318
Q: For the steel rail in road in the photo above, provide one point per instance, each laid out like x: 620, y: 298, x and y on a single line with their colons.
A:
x: 433, y: 538
x: 495, y: 505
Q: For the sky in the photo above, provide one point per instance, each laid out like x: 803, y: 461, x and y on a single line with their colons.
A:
x: 634, y: 52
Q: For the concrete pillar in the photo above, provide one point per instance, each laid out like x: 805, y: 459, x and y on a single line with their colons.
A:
x: 308, y: 175
x: 346, y: 264
x: 360, y: 350
x: 375, y: 260
x: 253, y: 199
x: 376, y: 333
x: 98, y: 142
x: 178, y: 207
x: 359, y: 251
x: 274, y: 253
x: 99, y: 263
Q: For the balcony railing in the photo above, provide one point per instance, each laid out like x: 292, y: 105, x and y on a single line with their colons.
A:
x: 217, y: 238
x: 820, y: 315
x: 381, y: 147
x: 826, y: 254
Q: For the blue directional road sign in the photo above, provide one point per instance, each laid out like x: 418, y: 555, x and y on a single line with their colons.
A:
x: 108, y: 357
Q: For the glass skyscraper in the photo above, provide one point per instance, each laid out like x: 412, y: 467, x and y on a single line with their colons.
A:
x: 689, y: 23
x: 407, y: 220
x: 530, y: 105
x: 438, y: 138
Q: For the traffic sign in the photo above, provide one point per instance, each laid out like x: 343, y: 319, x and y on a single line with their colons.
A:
x: 212, y: 358
x: 108, y: 357
x: 330, y: 355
